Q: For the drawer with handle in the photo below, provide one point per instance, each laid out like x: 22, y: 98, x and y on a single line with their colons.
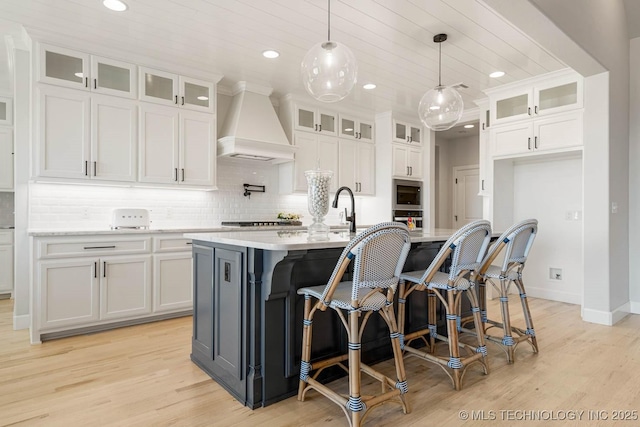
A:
x: 171, y: 244
x: 74, y: 247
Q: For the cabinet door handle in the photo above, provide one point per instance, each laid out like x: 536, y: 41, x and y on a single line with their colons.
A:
x: 175, y: 174
x: 482, y: 185
x: 320, y: 127
x: 182, y: 174
x: 529, y: 110
x: 189, y: 243
x: 407, y: 170
x: 176, y: 102
x: 95, y: 83
x: 227, y: 272
x: 483, y: 126
x: 315, y: 127
x: 104, y: 269
x: 183, y: 100
x: 86, y: 82
x: 411, y: 170
x: 535, y: 142
x: 100, y: 247
x: 535, y: 109
x: 86, y: 165
x: 95, y: 168
x: 529, y: 143
x: 95, y: 270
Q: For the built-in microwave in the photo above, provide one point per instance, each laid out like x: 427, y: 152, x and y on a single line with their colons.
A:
x: 407, y: 195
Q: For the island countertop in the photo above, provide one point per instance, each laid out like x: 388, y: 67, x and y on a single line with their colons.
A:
x: 298, y: 239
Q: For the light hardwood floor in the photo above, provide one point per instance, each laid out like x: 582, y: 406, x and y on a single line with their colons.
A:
x: 142, y: 376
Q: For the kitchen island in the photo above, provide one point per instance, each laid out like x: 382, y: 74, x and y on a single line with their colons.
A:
x: 247, y: 323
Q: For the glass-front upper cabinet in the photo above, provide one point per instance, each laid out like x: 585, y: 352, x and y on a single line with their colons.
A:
x: 316, y: 120
x: 553, y: 93
x: 6, y: 111
x: 405, y: 132
x: 353, y: 128
x: 171, y: 89
x: 65, y: 67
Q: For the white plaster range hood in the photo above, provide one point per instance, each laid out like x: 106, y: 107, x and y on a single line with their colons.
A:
x: 252, y: 130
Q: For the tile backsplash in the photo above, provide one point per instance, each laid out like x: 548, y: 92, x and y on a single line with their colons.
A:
x: 59, y: 206
x: 7, y: 217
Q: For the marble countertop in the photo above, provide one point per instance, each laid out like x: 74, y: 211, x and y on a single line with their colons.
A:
x: 298, y: 239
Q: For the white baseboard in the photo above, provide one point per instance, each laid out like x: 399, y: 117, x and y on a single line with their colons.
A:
x: 553, y: 295
x: 21, y: 322
x: 634, y: 307
x: 608, y: 318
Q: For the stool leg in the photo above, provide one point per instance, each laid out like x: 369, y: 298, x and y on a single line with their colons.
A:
x: 397, y: 355
x: 452, y: 331
x: 527, y: 315
x: 401, y: 312
x: 305, y: 365
x: 482, y: 303
x: 479, y: 326
x: 432, y: 302
x: 507, y: 339
x: 354, y: 405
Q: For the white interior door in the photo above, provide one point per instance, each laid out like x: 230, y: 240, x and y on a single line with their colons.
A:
x: 467, y: 204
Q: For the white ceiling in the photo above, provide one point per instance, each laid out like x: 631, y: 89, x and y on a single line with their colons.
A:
x: 392, y: 41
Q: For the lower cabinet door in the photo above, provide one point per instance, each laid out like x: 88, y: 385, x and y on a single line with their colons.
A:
x: 172, y: 283
x: 125, y: 286
x: 6, y: 269
x: 68, y: 292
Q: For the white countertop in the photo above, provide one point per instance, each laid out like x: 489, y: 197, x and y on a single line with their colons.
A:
x: 108, y: 231
x: 298, y: 239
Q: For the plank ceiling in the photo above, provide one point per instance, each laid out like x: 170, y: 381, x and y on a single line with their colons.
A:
x: 392, y: 41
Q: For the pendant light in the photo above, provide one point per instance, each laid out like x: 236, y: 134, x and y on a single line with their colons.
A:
x: 441, y: 107
x: 329, y: 69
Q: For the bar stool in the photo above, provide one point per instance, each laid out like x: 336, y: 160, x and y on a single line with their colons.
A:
x: 379, y: 254
x: 516, y: 242
x: 466, y: 247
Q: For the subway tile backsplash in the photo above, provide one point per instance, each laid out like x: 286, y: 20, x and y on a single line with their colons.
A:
x: 70, y: 207
x: 7, y: 217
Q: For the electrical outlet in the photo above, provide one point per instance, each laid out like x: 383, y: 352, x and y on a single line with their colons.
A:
x: 555, y: 273
x: 85, y: 212
x: 169, y: 213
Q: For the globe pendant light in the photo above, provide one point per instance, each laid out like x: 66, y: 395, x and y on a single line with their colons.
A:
x: 329, y: 69
x: 441, y: 107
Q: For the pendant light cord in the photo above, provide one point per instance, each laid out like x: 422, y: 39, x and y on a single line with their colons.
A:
x: 329, y: 20
x: 439, y: 63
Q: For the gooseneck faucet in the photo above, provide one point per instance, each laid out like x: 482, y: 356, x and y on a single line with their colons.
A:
x: 352, y: 218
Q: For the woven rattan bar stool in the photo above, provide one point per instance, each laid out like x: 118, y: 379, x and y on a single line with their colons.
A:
x: 516, y: 243
x: 466, y: 247
x: 378, y: 255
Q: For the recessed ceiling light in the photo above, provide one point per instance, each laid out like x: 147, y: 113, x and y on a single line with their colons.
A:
x: 468, y: 126
x: 203, y: 98
x: 369, y: 86
x: 115, y: 5
x: 496, y: 74
x: 270, y: 54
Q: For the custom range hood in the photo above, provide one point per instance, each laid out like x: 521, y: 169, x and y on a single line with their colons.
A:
x: 252, y: 130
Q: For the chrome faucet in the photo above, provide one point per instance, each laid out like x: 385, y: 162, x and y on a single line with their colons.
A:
x: 352, y: 218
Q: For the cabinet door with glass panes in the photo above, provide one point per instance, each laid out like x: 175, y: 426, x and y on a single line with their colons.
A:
x: 161, y: 87
x: 317, y: 120
x: 78, y: 70
x: 6, y: 111
x: 406, y: 132
x: 354, y: 128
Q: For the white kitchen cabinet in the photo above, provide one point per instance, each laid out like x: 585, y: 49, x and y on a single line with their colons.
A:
x: 78, y: 70
x: 86, y: 137
x: 125, y: 286
x: 318, y: 120
x: 177, y: 147
x: 357, y: 166
x: 355, y: 128
x: 165, y: 88
x: 407, y: 161
x: 69, y: 292
x: 407, y: 132
x: 313, y: 152
x: 172, y: 274
x: 6, y: 111
x: 549, y: 94
x: 551, y: 133
x: 6, y: 261
x: 484, y: 157
x: 6, y: 159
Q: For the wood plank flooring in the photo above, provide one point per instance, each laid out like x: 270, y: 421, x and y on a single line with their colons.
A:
x: 142, y: 376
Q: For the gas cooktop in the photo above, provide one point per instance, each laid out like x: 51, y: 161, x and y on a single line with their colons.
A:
x: 259, y: 223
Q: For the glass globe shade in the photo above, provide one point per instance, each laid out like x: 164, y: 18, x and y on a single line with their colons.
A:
x: 440, y: 108
x: 329, y: 71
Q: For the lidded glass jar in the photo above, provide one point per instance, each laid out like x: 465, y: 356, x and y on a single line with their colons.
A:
x: 318, y: 184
